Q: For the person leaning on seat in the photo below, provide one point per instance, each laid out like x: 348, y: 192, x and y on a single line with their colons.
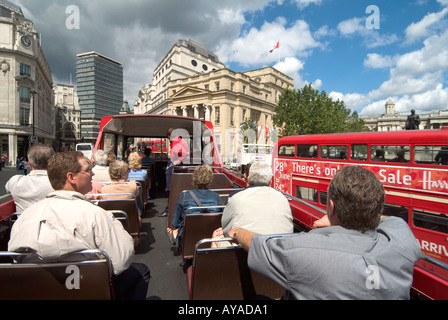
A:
x: 259, y: 207
x: 202, y: 178
x: 361, y: 255
x: 35, y: 186
x: 66, y: 222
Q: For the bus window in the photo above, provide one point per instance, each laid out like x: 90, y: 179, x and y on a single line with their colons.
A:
x: 306, y: 193
x: 392, y: 210
x: 323, y: 197
x: 390, y: 153
x: 430, y: 220
x: 333, y: 152
x: 307, y: 150
x: 109, y: 143
x: 286, y: 150
x: 431, y: 154
x: 359, y: 152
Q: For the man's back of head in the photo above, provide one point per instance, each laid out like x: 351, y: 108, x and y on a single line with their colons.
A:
x: 358, y: 198
x: 61, y: 164
x: 100, y: 158
x: 260, y: 173
x: 38, y: 156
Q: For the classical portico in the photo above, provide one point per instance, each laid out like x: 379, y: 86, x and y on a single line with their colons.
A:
x: 198, y: 111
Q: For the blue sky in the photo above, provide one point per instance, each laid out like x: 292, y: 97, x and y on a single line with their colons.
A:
x: 322, y: 42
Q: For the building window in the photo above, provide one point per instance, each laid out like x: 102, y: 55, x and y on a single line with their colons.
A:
x: 25, y: 70
x: 204, y: 67
x: 24, y: 94
x: 194, y: 63
x: 217, y: 85
x: 244, y: 89
x: 231, y: 86
x: 206, y: 87
x: 24, y: 116
x: 217, y: 115
x: 232, y: 113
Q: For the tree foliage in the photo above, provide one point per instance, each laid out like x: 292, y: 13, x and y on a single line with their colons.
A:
x: 306, y: 110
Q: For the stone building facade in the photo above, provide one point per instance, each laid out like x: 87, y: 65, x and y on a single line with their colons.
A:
x: 217, y: 94
x: 26, y: 90
x: 394, y: 121
x: 68, y: 118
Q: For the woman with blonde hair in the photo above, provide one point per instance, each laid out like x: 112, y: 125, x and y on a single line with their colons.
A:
x: 137, y: 173
x: 119, y: 171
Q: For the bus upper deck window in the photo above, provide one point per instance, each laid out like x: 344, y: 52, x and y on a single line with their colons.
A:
x: 431, y: 155
x: 307, y: 150
x: 286, y: 150
x: 391, y: 153
x: 359, y: 152
x: 334, y: 152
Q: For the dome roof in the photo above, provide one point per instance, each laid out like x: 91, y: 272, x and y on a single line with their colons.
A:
x: 390, y: 102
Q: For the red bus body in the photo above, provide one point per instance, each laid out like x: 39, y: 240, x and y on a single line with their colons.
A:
x: 418, y: 188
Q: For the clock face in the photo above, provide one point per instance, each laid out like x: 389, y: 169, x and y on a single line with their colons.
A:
x: 26, y: 41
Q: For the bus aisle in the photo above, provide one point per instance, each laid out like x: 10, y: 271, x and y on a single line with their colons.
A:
x: 168, y: 281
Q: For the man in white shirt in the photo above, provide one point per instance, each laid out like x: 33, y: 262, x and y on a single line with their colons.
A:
x: 35, y: 186
x: 67, y: 222
x: 100, y: 168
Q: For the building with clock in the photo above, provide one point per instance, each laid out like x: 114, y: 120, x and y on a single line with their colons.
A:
x: 26, y: 90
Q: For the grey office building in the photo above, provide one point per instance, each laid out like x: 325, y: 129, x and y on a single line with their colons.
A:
x: 99, y: 82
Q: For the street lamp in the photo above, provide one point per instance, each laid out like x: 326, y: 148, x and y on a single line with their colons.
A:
x: 33, y: 93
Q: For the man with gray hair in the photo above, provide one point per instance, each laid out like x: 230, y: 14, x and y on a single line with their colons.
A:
x: 35, y: 186
x: 100, y: 168
x: 258, y: 207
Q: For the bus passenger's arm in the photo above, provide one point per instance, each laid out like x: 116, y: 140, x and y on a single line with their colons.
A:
x: 243, y: 236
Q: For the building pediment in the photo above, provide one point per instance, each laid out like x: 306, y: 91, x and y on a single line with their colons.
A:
x: 188, y: 92
x: 25, y: 80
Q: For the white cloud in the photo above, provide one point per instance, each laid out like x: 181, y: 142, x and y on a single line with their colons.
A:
x: 252, y: 48
x: 351, y: 26
x: 377, y: 61
x: 228, y: 16
x: 419, y: 30
x: 371, y: 38
x: 301, y: 4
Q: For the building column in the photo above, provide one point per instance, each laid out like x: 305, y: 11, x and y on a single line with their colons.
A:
x: 207, y: 110
x: 12, y: 145
x: 184, y: 111
x: 195, y: 111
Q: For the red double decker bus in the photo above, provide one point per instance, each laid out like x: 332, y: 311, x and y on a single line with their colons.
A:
x: 412, y: 166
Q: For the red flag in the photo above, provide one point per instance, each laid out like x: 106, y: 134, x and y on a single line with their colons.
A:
x: 276, y: 47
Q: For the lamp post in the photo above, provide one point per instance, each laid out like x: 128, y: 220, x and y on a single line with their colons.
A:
x: 33, y: 93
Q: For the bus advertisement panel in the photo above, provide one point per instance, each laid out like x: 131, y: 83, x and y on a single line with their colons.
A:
x: 410, y: 178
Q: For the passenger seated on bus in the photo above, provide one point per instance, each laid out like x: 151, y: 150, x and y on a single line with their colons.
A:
x: 35, y: 186
x: 202, y: 178
x: 442, y: 156
x: 119, y: 172
x: 246, y: 178
x: 67, y: 222
x: 399, y: 156
x: 360, y: 256
x: 342, y: 155
x: 137, y: 173
x: 111, y: 157
x: 379, y: 155
x: 147, y: 160
x: 259, y: 207
x: 100, y: 167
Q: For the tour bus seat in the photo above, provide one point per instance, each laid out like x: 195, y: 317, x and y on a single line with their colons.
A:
x: 57, y: 280
x: 181, y: 181
x: 127, y: 205
x: 198, y: 226
x: 223, y: 274
x: 122, y: 216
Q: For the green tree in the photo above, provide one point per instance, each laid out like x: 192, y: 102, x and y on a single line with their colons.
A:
x: 306, y: 110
